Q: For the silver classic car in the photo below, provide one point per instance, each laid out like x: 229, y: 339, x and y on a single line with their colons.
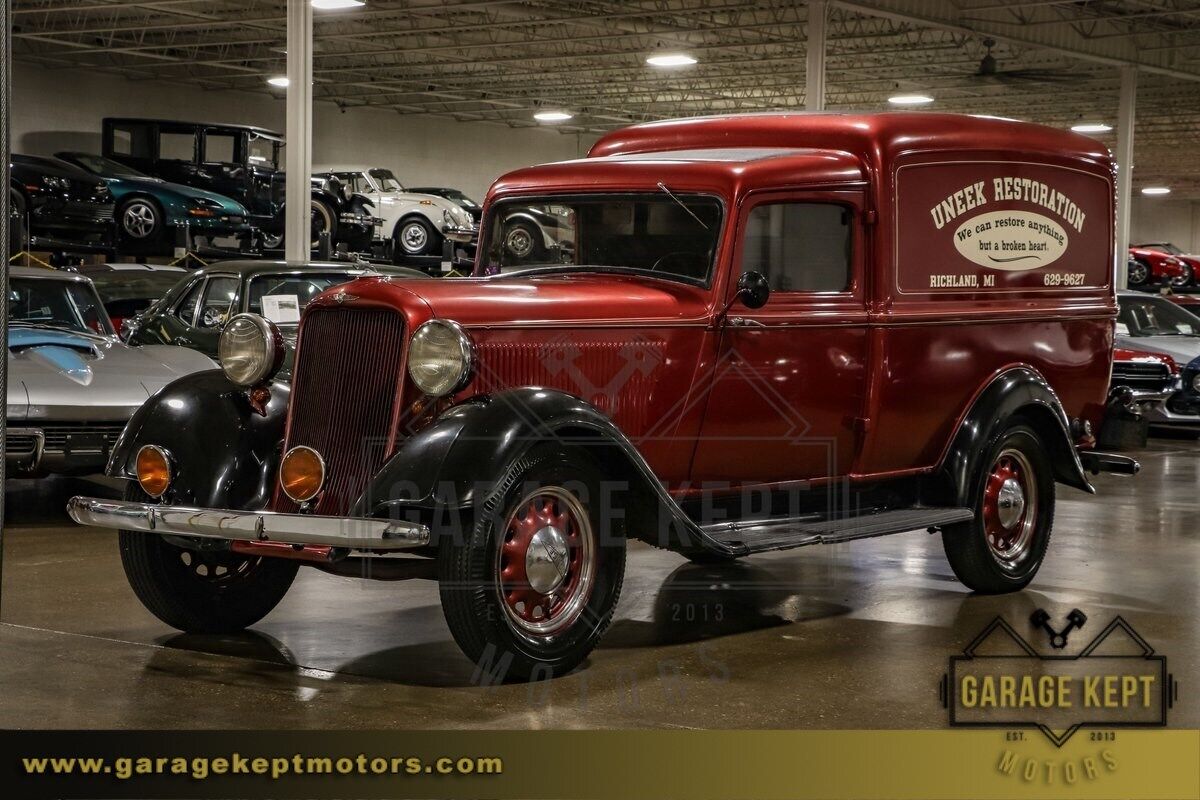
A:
x: 72, y: 385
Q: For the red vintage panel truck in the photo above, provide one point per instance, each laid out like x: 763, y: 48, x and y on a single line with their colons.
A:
x: 722, y: 336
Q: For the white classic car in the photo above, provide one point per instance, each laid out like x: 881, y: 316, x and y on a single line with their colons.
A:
x: 413, y: 224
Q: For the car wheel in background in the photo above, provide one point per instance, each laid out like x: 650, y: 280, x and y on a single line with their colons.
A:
x: 523, y: 241
x: 415, y: 236
x: 1138, y: 272
x: 323, y: 219
x: 1180, y: 281
x: 140, y: 221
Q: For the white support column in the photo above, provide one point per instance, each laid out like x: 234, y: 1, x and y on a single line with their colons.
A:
x: 299, y: 130
x: 814, y: 74
x: 1125, y: 119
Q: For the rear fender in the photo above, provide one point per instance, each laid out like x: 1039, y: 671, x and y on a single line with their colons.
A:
x: 1017, y: 394
x: 225, y: 453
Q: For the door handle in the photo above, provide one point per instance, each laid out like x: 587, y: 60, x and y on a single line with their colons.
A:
x: 743, y: 322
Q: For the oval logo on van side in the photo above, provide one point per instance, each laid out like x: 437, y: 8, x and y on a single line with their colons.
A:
x: 1014, y: 241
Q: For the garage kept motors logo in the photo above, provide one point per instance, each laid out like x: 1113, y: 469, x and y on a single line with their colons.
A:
x: 1001, y: 680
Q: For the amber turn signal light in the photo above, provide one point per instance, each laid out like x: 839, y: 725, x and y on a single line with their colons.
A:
x: 302, y: 473
x: 153, y: 470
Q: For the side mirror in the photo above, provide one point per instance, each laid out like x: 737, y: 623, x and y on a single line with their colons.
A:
x: 753, y: 289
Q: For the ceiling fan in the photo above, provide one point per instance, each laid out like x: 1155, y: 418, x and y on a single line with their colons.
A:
x: 989, y: 71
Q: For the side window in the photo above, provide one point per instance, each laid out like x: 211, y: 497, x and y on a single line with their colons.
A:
x: 215, y: 308
x: 186, y: 310
x: 800, y: 247
x: 131, y: 140
x: 220, y: 148
x: 174, y: 146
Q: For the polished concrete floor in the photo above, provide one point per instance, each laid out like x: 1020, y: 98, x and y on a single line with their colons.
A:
x: 848, y: 636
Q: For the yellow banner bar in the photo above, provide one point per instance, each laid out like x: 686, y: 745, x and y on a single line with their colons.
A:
x: 656, y: 765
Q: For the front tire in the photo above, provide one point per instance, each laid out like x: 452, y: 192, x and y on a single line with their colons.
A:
x: 201, y: 591
x: 523, y: 241
x: 415, y: 236
x: 141, y: 222
x: 323, y: 219
x: 1138, y: 273
x: 1184, y: 280
x: 534, y: 586
x: 1001, y: 549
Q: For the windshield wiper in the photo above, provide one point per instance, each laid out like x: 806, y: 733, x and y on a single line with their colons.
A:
x: 682, y: 204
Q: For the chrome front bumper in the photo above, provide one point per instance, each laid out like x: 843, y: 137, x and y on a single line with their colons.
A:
x: 255, y: 526
x: 457, y: 233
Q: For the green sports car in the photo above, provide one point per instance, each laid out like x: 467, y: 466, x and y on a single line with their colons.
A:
x: 149, y: 209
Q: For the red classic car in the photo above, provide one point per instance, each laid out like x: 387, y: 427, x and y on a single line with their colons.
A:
x: 1148, y: 267
x: 749, y: 333
x: 1191, y: 263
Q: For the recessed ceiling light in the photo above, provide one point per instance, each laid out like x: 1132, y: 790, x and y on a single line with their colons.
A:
x: 1156, y: 190
x: 279, y: 80
x: 910, y: 99
x: 334, y: 5
x: 1091, y: 127
x: 552, y: 116
x: 671, y: 60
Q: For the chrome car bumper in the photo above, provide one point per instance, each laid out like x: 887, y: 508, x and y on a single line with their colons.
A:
x: 456, y: 233
x: 261, y: 526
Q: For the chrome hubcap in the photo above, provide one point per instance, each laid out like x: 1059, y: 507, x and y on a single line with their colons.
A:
x: 1010, y: 504
x: 414, y: 237
x: 519, y: 242
x: 1010, y: 508
x: 546, y: 561
x: 139, y: 220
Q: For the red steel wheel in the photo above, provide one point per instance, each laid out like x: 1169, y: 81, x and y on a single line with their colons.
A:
x: 546, y: 562
x: 1010, y: 508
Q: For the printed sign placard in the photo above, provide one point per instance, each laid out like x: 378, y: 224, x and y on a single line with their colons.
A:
x: 1001, y: 226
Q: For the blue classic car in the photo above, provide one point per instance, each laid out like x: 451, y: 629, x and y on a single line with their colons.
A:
x: 149, y: 208
x: 72, y: 385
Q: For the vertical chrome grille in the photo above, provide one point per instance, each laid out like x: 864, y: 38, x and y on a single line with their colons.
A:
x: 345, y: 391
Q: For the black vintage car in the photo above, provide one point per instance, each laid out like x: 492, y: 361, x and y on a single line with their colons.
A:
x: 59, y: 207
x: 242, y: 162
x: 193, y: 312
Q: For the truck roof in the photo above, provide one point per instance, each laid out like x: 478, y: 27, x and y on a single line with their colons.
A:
x: 695, y: 169
x: 870, y: 136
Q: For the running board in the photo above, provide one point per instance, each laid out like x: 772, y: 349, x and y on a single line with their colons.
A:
x: 759, y: 536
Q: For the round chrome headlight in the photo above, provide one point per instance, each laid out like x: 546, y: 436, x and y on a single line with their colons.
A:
x: 1196, y: 381
x: 441, y: 357
x: 250, y: 350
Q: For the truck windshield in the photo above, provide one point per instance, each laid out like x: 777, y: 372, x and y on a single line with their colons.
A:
x: 671, y: 234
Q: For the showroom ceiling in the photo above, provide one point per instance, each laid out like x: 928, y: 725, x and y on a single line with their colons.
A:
x: 502, y: 61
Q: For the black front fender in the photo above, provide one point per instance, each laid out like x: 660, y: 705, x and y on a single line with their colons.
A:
x: 1015, y: 393
x: 457, y: 462
x: 225, y: 453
